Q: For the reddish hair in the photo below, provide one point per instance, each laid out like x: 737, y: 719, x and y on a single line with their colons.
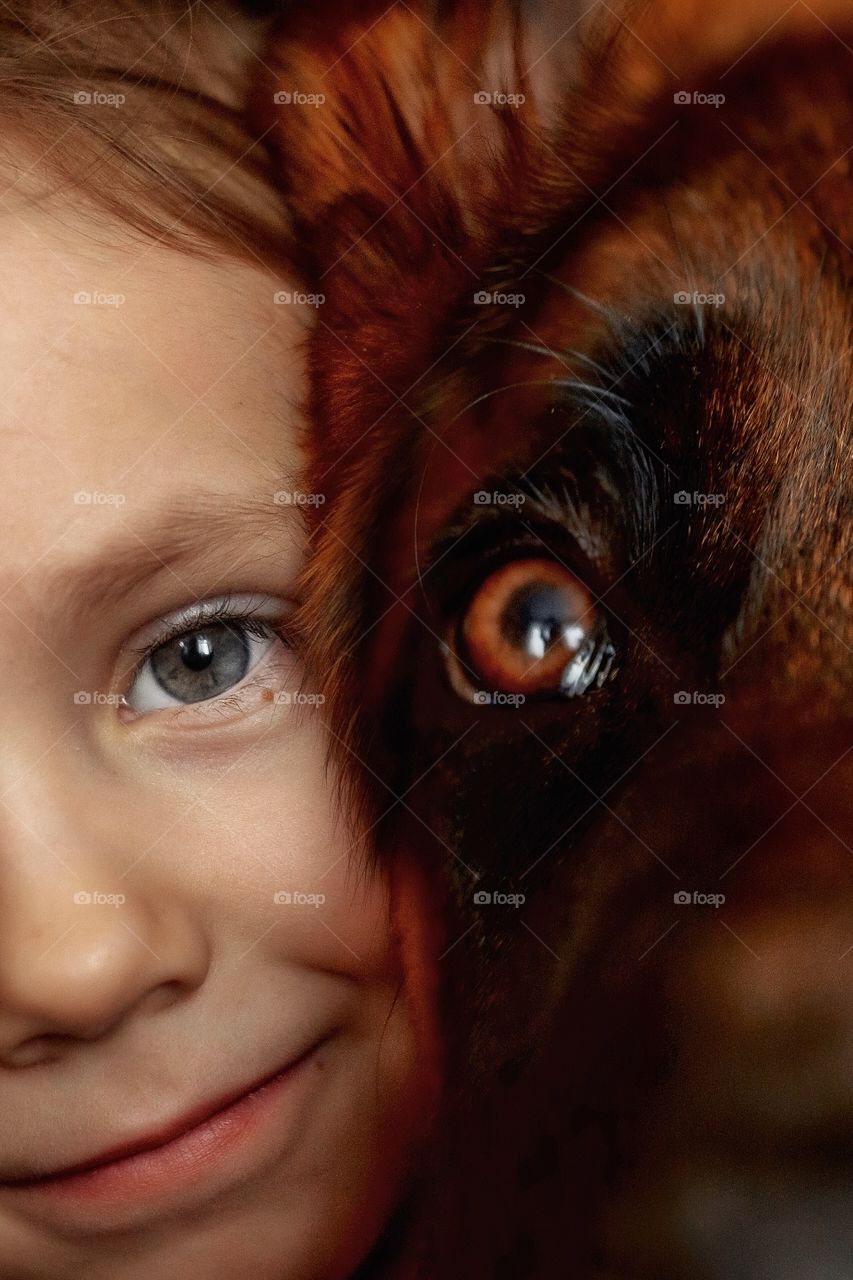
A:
x: 138, y: 110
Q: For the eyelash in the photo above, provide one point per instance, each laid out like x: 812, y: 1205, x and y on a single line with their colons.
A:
x: 223, y: 612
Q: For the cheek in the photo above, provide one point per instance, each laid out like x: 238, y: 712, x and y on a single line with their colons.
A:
x: 266, y: 854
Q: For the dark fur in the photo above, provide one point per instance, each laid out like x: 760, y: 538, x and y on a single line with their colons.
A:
x: 604, y: 1046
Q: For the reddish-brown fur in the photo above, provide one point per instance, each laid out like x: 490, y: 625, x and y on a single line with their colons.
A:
x: 574, y: 1089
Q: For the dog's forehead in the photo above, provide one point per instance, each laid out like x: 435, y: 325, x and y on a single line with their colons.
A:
x: 730, y: 350
x: 762, y: 310
x: 730, y: 242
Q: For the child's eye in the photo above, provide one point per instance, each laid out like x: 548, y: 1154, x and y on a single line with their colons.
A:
x: 201, y: 662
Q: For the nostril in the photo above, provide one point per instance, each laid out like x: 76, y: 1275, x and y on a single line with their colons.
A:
x: 51, y: 1046
x: 39, y: 1050
x: 163, y: 996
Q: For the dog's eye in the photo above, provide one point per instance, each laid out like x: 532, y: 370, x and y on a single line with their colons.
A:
x: 530, y: 628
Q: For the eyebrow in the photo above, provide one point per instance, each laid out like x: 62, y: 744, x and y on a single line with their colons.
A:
x: 168, y: 539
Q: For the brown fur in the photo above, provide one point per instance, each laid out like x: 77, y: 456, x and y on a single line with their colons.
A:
x: 580, y: 1080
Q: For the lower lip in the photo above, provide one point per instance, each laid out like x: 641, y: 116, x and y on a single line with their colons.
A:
x: 252, y: 1133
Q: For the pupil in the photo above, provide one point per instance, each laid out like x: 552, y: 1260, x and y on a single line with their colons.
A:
x: 196, y: 651
x: 537, y: 617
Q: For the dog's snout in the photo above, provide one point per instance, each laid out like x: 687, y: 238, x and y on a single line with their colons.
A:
x: 759, y: 980
x: 766, y: 1003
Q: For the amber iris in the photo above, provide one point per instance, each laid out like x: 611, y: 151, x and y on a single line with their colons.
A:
x: 525, y: 624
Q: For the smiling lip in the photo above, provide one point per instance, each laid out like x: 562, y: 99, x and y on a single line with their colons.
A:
x: 187, y: 1150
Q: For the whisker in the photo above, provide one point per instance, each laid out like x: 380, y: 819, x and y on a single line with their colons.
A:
x: 541, y: 350
x: 522, y: 346
x: 588, y: 360
x: 496, y: 391
x: 534, y: 491
x: 590, y: 389
x: 599, y: 396
x: 610, y: 314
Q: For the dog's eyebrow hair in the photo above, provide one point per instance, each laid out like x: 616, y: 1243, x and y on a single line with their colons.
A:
x: 641, y: 346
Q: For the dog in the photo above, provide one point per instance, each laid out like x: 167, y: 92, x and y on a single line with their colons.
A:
x: 580, y: 599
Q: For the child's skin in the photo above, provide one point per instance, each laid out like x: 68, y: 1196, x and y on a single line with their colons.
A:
x: 117, y: 1020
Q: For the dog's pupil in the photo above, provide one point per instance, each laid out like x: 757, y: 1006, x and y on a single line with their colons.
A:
x: 537, y: 617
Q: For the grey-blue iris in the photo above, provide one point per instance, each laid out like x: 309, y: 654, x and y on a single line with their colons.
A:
x: 203, y: 663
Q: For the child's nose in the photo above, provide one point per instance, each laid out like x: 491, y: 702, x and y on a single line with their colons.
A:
x: 79, y: 954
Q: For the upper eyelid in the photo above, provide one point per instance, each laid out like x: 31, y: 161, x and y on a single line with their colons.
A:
x: 194, y: 615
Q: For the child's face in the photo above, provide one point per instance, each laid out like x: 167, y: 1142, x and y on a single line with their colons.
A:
x: 183, y: 916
